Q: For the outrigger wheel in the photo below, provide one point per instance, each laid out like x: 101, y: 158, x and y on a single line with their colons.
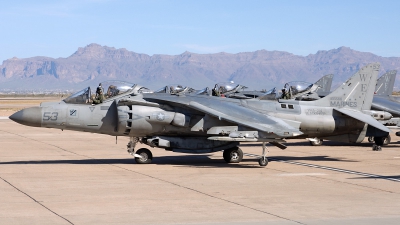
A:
x: 233, y: 155
x: 263, y: 161
x: 144, y: 156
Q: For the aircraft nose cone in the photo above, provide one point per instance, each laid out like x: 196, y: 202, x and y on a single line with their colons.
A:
x: 29, y: 117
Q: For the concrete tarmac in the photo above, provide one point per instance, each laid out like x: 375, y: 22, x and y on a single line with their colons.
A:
x: 50, y: 176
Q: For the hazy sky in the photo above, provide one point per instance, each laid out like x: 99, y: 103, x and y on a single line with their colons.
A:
x: 57, y: 28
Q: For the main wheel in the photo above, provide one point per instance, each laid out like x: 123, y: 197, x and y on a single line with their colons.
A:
x: 233, y: 155
x: 146, y: 156
x: 370, y: 139
x: 387, y: 140
x: 263, y: 161
x: 317, y: 142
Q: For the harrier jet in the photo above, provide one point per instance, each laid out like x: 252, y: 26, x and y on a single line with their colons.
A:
x: 383, y: 99
x: 202, y: 123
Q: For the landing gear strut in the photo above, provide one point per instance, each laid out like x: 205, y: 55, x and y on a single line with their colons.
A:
x: 143, y: 155
x: 378, y: 143
x: 263, y: 161
x: 233, y: 155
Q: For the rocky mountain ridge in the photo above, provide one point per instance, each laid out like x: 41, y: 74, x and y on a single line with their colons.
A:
x: 258, y: 70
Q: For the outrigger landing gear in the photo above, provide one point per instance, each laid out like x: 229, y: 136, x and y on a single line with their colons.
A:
x: 233, y: 155
x: 143, y: 155
x: 263, y: 161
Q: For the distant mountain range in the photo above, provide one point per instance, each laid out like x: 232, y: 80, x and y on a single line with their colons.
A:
x: 258, y: 70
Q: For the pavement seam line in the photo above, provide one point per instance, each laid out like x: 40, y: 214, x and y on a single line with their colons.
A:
x: 203, y: 193
x: 335, y: 169
x: 48, y: 209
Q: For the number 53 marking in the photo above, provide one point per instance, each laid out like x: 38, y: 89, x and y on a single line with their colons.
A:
x: 50, y: 116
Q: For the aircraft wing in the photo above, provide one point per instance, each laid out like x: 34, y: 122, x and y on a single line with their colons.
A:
x: 363, y: 117
x: 231, y: 111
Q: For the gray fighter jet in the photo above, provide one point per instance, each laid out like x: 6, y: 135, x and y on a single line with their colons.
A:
x: 201, y: 123
x: 304, y: 91
x: 383, y: 99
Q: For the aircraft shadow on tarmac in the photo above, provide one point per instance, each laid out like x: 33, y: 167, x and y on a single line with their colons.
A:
x: 327, y: 143
x: 182, y: 160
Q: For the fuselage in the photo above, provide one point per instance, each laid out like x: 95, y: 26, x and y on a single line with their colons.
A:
x: 141, y: 121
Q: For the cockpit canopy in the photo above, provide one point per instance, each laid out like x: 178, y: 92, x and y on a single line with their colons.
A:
x: 175, y: 89
x: 227, y: 87
x: 105, y: 90
x: 296, y: 87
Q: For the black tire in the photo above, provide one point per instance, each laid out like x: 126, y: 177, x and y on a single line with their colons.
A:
x: 387, y: 140
x: 376, y: 148
x: 233, y: 155
x: 146, y: 154
x: 370, y: 139
x: 318, y: 142
x: 378, y: 141
x: 263, y: 161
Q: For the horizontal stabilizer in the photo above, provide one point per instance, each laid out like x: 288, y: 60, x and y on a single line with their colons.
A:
x: 363, y: 117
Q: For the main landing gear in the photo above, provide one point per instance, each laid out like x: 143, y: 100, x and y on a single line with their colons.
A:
x: 379, y: 142
x: 143, y: 155
x: 233, y: 155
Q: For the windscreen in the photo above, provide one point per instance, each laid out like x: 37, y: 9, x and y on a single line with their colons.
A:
x: 103, y: 91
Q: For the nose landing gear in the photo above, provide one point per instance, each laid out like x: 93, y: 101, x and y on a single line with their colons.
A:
x: 143, y: 155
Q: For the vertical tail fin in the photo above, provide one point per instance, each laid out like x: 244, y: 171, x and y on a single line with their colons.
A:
x: 325, y: 83
x: 384, y: 85
x: 356, y: 93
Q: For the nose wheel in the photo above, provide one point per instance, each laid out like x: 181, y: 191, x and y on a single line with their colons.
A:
x: 143, y: 156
